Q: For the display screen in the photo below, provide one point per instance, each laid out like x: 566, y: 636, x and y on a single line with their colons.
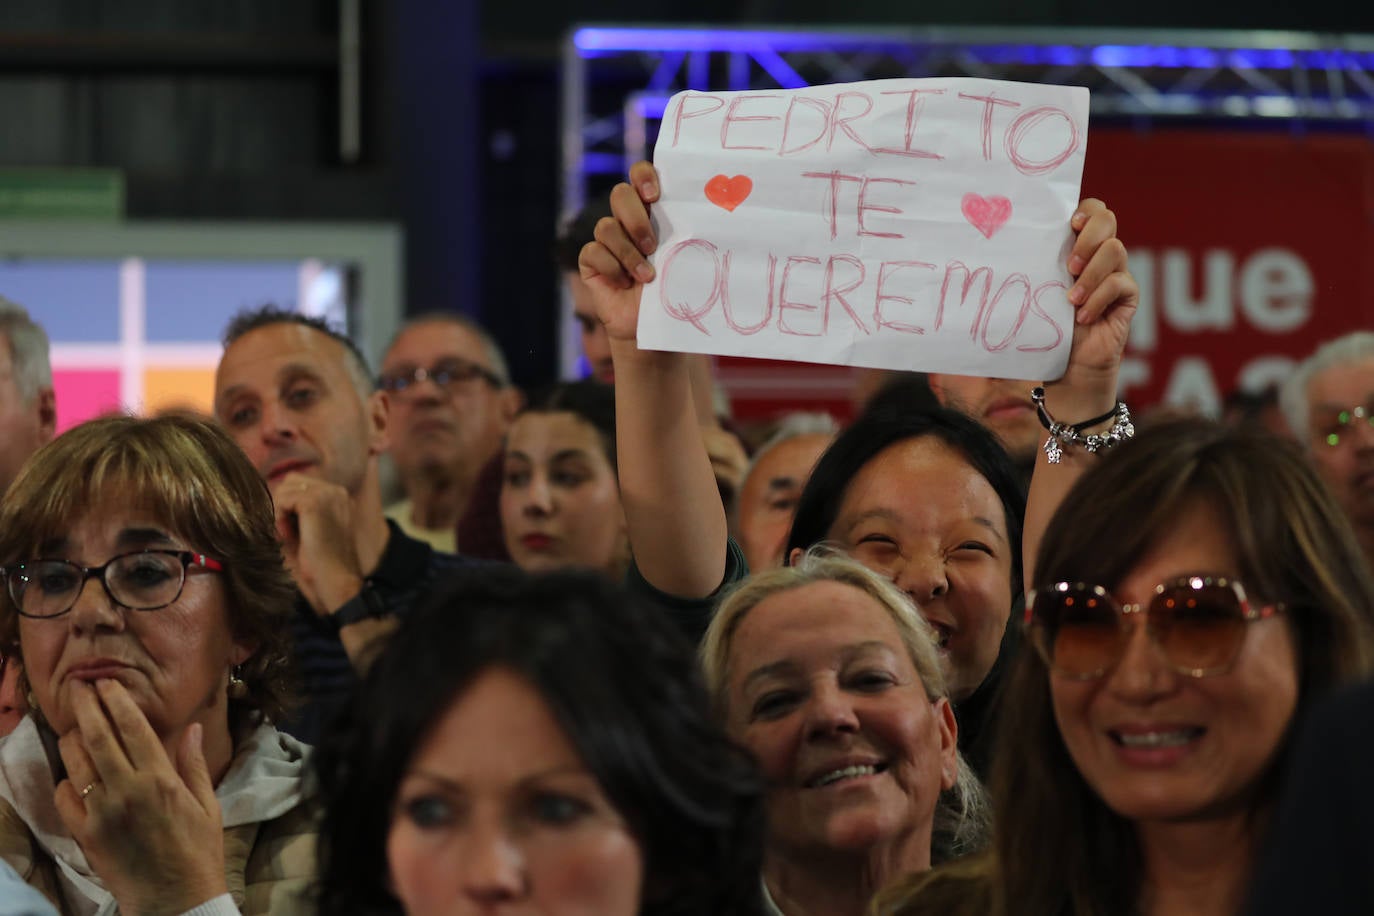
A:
x: 143, y: 335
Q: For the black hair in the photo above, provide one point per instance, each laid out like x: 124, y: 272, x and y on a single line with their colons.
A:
x: 886, y: 425
x: 1293, y: 545
x: 266, y: 315
x: 622, y: 684
x: 580, y: 230
x: 591, y: 401
x: 906, y: 390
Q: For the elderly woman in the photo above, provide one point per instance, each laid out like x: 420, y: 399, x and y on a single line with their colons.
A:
x: 827, y: 673
x: 536, y: 744
x: 1196, y: 591
x: 145, y: 593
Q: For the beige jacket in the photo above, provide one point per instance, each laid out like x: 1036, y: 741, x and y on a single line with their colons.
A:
x: 269, y: 828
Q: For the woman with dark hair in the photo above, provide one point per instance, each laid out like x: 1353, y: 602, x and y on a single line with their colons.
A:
x: 560, y: 501
x: 877, y: 429
x: 147, y: 774
x: 931, y: 500
x: 1197, y: 590
x: 536, y: 741
x: 665, y: 477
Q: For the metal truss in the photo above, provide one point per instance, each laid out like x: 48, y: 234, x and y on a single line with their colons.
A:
x: 618, y: 80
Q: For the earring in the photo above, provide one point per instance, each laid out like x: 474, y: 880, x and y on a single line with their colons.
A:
x: 31, y: 704
x: 237, y: 690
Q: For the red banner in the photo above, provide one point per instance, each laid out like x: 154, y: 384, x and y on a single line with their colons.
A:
x: 1250, y: 249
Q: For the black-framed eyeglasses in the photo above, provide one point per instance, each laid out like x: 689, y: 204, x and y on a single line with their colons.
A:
x: 449, y: 374
x: 145, y: 580
x: 1336, y: 428
x: 1198, y: 622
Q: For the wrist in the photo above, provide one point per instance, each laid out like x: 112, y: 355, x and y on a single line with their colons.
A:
x: 366, y: 603
x: 627, y: 355
x: 335, y: 589
x: 1092, y: 434
x: 652, y: 379
x: 1077, y: 397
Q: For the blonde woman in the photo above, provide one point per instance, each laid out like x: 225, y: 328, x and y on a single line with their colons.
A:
x: 828, y: 675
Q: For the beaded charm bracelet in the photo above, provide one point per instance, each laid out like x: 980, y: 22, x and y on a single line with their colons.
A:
x: 1067, y: 435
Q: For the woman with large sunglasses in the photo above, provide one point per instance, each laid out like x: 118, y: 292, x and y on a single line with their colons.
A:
x: 1195, y: 592
x: 146, y: 595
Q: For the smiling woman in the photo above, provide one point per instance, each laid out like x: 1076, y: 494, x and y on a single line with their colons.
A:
x: 1196, y: 592
x: 931, y: 500
x: 156, y: 683
x: 827, y: 673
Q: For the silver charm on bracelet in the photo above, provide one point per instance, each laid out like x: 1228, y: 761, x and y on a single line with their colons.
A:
x: 1063, y: 435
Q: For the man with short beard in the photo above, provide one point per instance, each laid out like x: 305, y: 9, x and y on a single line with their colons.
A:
x: 297, y: 397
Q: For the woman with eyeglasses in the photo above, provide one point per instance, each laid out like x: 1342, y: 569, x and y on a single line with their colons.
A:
x: 1197, y: 590
x: 146, y: 595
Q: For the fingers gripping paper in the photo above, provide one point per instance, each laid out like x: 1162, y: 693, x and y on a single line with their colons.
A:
x: 897, y: 224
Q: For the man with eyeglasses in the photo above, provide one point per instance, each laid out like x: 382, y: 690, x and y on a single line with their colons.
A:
x: 298, y: 398
x: 1329, y: 404
x: 451, y: 403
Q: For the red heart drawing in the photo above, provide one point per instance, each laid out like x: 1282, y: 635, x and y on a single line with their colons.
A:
x: 728, y: 193
x: 986, y: 214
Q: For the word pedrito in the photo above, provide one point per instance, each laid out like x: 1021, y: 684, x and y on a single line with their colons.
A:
x: 800, y: 123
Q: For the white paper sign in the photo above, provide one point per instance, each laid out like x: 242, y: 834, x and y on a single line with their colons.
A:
x: 897, y: 224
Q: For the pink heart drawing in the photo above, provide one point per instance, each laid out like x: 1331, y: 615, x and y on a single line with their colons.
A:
x: 986, y: 214
x: 729, y: 193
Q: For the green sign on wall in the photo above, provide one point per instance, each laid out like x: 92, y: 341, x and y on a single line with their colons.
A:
x: 86, y: 194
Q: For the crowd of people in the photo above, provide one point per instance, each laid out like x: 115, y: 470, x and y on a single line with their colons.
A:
x: 994, y: 647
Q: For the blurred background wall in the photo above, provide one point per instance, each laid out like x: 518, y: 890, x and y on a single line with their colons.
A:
x: 441, y: 116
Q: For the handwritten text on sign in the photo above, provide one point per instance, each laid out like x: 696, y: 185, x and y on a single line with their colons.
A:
x: 903, y: 224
